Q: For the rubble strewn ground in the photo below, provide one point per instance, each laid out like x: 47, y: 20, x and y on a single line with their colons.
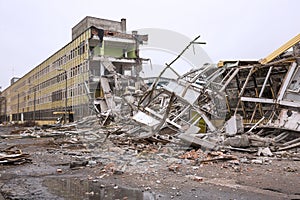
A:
x: 200, y: 136
x: 87, y: 163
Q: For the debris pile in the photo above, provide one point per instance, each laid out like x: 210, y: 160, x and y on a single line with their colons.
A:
x: 10, y: 156
x: 246, y: 106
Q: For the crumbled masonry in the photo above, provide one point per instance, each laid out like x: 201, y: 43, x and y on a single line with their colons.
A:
x: 219, y: 131
x: 238, y: 105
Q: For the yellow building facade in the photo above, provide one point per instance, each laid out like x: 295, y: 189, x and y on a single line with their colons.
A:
x: 67, y: 81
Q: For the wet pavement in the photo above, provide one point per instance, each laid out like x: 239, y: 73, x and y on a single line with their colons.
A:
x: 74, y: 188
x: 68, y: 188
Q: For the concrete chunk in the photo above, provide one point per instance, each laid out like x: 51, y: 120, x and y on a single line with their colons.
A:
x: 198, y: 142
x: 238, y: 141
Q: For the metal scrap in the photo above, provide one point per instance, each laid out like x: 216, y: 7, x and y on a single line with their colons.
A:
x: 208, y: 107
x: 237, y: 105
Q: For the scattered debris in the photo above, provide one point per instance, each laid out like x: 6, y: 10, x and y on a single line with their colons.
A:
x: 195, y: 178
x: 290, y: 169
x: 174, y: 167
x: 13, y: 157
x: 257, y: 161
x: 264, y: 151
x: 245, y: 106
x: 238, y: 141
x: 218, y: 156
x: 78, y: 164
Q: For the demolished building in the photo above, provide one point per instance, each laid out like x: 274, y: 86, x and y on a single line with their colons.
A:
x: 68, y: 82
x: 230, y: 98
x: 235, y: 97
x: 266, y: 93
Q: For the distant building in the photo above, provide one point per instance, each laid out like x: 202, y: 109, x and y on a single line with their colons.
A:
x: 96, y: 44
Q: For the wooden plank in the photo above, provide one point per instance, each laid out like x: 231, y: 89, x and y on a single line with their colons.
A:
x: 281, y: 50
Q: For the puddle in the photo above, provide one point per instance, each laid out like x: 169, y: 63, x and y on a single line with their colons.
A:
x: 76, y: 189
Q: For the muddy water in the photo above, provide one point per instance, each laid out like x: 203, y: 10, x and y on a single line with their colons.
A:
x: 76, y: 189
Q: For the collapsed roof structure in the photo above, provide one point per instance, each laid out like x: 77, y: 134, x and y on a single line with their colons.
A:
x: 233, y: 97
x: 267, y: 92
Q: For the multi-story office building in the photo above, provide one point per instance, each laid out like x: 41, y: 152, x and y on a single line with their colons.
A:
x: 70, y: 79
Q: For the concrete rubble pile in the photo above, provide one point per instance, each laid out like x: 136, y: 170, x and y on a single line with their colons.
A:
x: 239, y: 105
x: 263, y: 100
x: 247, y: 106
x: 250, y: 106
x: 163, y: 112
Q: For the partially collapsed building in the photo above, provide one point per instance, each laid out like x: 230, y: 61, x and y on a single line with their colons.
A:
x: 68, y: 82
x: 266, y: 93
x: 233, y: 96
x: 98, y: 73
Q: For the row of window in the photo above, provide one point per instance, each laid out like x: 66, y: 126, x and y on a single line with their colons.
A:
x: 44, y: 84
x: 37, y: 115
x: 47, y: 114
x: 39, y: 74
x: 18, y: 95
x: 61, y: 77
x: 26, y: 101
x: 77, y: 90
x: 77, y: 51
x: 74, y: 91
x: 77, y: 70
x: 59, y: 95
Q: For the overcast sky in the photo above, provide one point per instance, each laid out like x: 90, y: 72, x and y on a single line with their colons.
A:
x: 32, y: 30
